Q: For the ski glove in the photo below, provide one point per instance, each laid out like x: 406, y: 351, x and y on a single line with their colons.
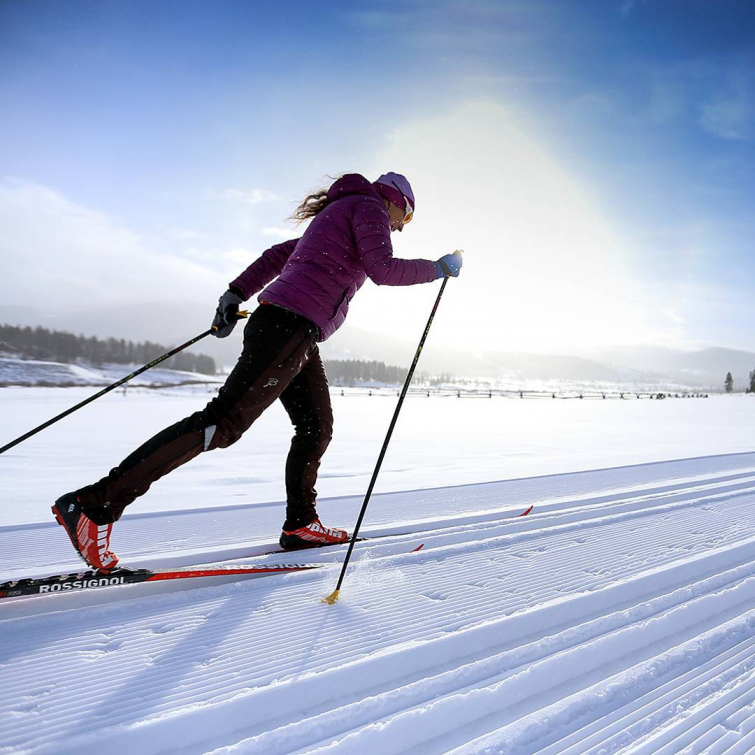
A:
x: 226, y: 315
x: 450, y: 264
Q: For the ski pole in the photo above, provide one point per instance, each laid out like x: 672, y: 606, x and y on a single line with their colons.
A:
x: 111, y: 387
x: 333, y: 597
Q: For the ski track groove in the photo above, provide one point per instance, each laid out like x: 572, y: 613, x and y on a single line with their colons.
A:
x: 660, y: 708
x: 575, y: 563
x: 189, y: 623
x: 192, y: 619
x: 480, y: 672
x: 28, y: 535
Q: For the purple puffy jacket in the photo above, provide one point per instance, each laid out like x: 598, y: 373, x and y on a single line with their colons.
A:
x: 318, y: 274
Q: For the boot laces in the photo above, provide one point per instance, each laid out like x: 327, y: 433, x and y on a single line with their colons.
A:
x: 318, y: 526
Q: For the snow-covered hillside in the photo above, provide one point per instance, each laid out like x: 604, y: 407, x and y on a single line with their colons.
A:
x: 37, y: 372
x: 618, y: 615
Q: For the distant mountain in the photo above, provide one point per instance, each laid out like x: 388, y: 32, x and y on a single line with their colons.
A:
x: 705, y: 367
x: 647, y: 365
x: 717, y: 362
x: 643, y: 358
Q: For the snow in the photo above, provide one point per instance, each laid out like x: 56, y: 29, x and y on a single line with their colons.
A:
x: 618, y: 615
x: 15, y: 371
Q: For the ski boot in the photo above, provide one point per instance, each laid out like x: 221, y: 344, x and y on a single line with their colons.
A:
x: 311, y: 536
x: 91, y: 541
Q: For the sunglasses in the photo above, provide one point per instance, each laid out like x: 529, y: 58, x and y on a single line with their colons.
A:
x: 408, y: 211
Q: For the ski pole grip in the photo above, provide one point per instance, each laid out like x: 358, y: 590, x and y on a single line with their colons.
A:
x: 242, y: 314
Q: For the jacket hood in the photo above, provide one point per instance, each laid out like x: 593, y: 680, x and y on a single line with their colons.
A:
x: 351, y: 183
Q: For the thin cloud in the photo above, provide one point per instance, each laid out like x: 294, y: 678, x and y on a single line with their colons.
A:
x: 240, y: 256
x: 65, y: 256
x: 674, y: 316
x: 716, y: 96
x: 243, y: 196
x: 730, y: 113
x: 627, y: 6
x: 282, y: 233
x: 469, y: 30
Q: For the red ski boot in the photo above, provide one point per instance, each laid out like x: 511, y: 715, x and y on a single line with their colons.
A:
x: 91, y: 541
x: 311, y: 536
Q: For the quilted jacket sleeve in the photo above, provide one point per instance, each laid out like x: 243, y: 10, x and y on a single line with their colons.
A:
x: 372, y: 232
x: 266, y: 267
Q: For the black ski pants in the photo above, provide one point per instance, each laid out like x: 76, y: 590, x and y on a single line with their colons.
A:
x: 280, y: 360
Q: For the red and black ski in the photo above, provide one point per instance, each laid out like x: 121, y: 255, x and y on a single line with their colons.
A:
x: 124, y: 576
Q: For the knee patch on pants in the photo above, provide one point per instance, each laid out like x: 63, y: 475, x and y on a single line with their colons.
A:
x: 220, y: 436
x: 209, y: 434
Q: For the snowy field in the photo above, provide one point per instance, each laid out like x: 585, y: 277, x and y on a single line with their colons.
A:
x: 618, y: 616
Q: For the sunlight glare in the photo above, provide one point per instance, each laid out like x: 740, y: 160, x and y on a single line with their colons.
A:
x: 543, y: 270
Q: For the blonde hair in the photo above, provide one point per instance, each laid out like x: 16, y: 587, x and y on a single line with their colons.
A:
x: 313, y: 204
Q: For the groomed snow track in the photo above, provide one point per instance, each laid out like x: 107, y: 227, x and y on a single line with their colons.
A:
x: 619, y: 616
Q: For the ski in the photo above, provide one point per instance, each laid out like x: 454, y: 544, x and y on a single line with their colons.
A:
x: 278, y: 551
x: 88, y: 580
x: 124, y: 576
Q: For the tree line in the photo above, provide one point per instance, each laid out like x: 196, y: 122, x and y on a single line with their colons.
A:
x: 61, y: 346
x: 352, y: 371
x: 729, y: 383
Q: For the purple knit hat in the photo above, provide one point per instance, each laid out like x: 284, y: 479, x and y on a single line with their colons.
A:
x: 395, y: 188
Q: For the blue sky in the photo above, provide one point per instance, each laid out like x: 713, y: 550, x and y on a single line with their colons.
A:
x: 144, y: 142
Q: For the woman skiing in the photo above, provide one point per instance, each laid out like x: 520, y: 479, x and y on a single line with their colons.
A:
x: 306, y: 285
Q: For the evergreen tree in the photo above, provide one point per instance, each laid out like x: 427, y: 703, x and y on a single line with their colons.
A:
x: 752, y: 382
x: 729, y: 383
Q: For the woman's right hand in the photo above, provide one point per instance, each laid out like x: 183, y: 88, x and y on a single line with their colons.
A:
x: 226, y: 315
